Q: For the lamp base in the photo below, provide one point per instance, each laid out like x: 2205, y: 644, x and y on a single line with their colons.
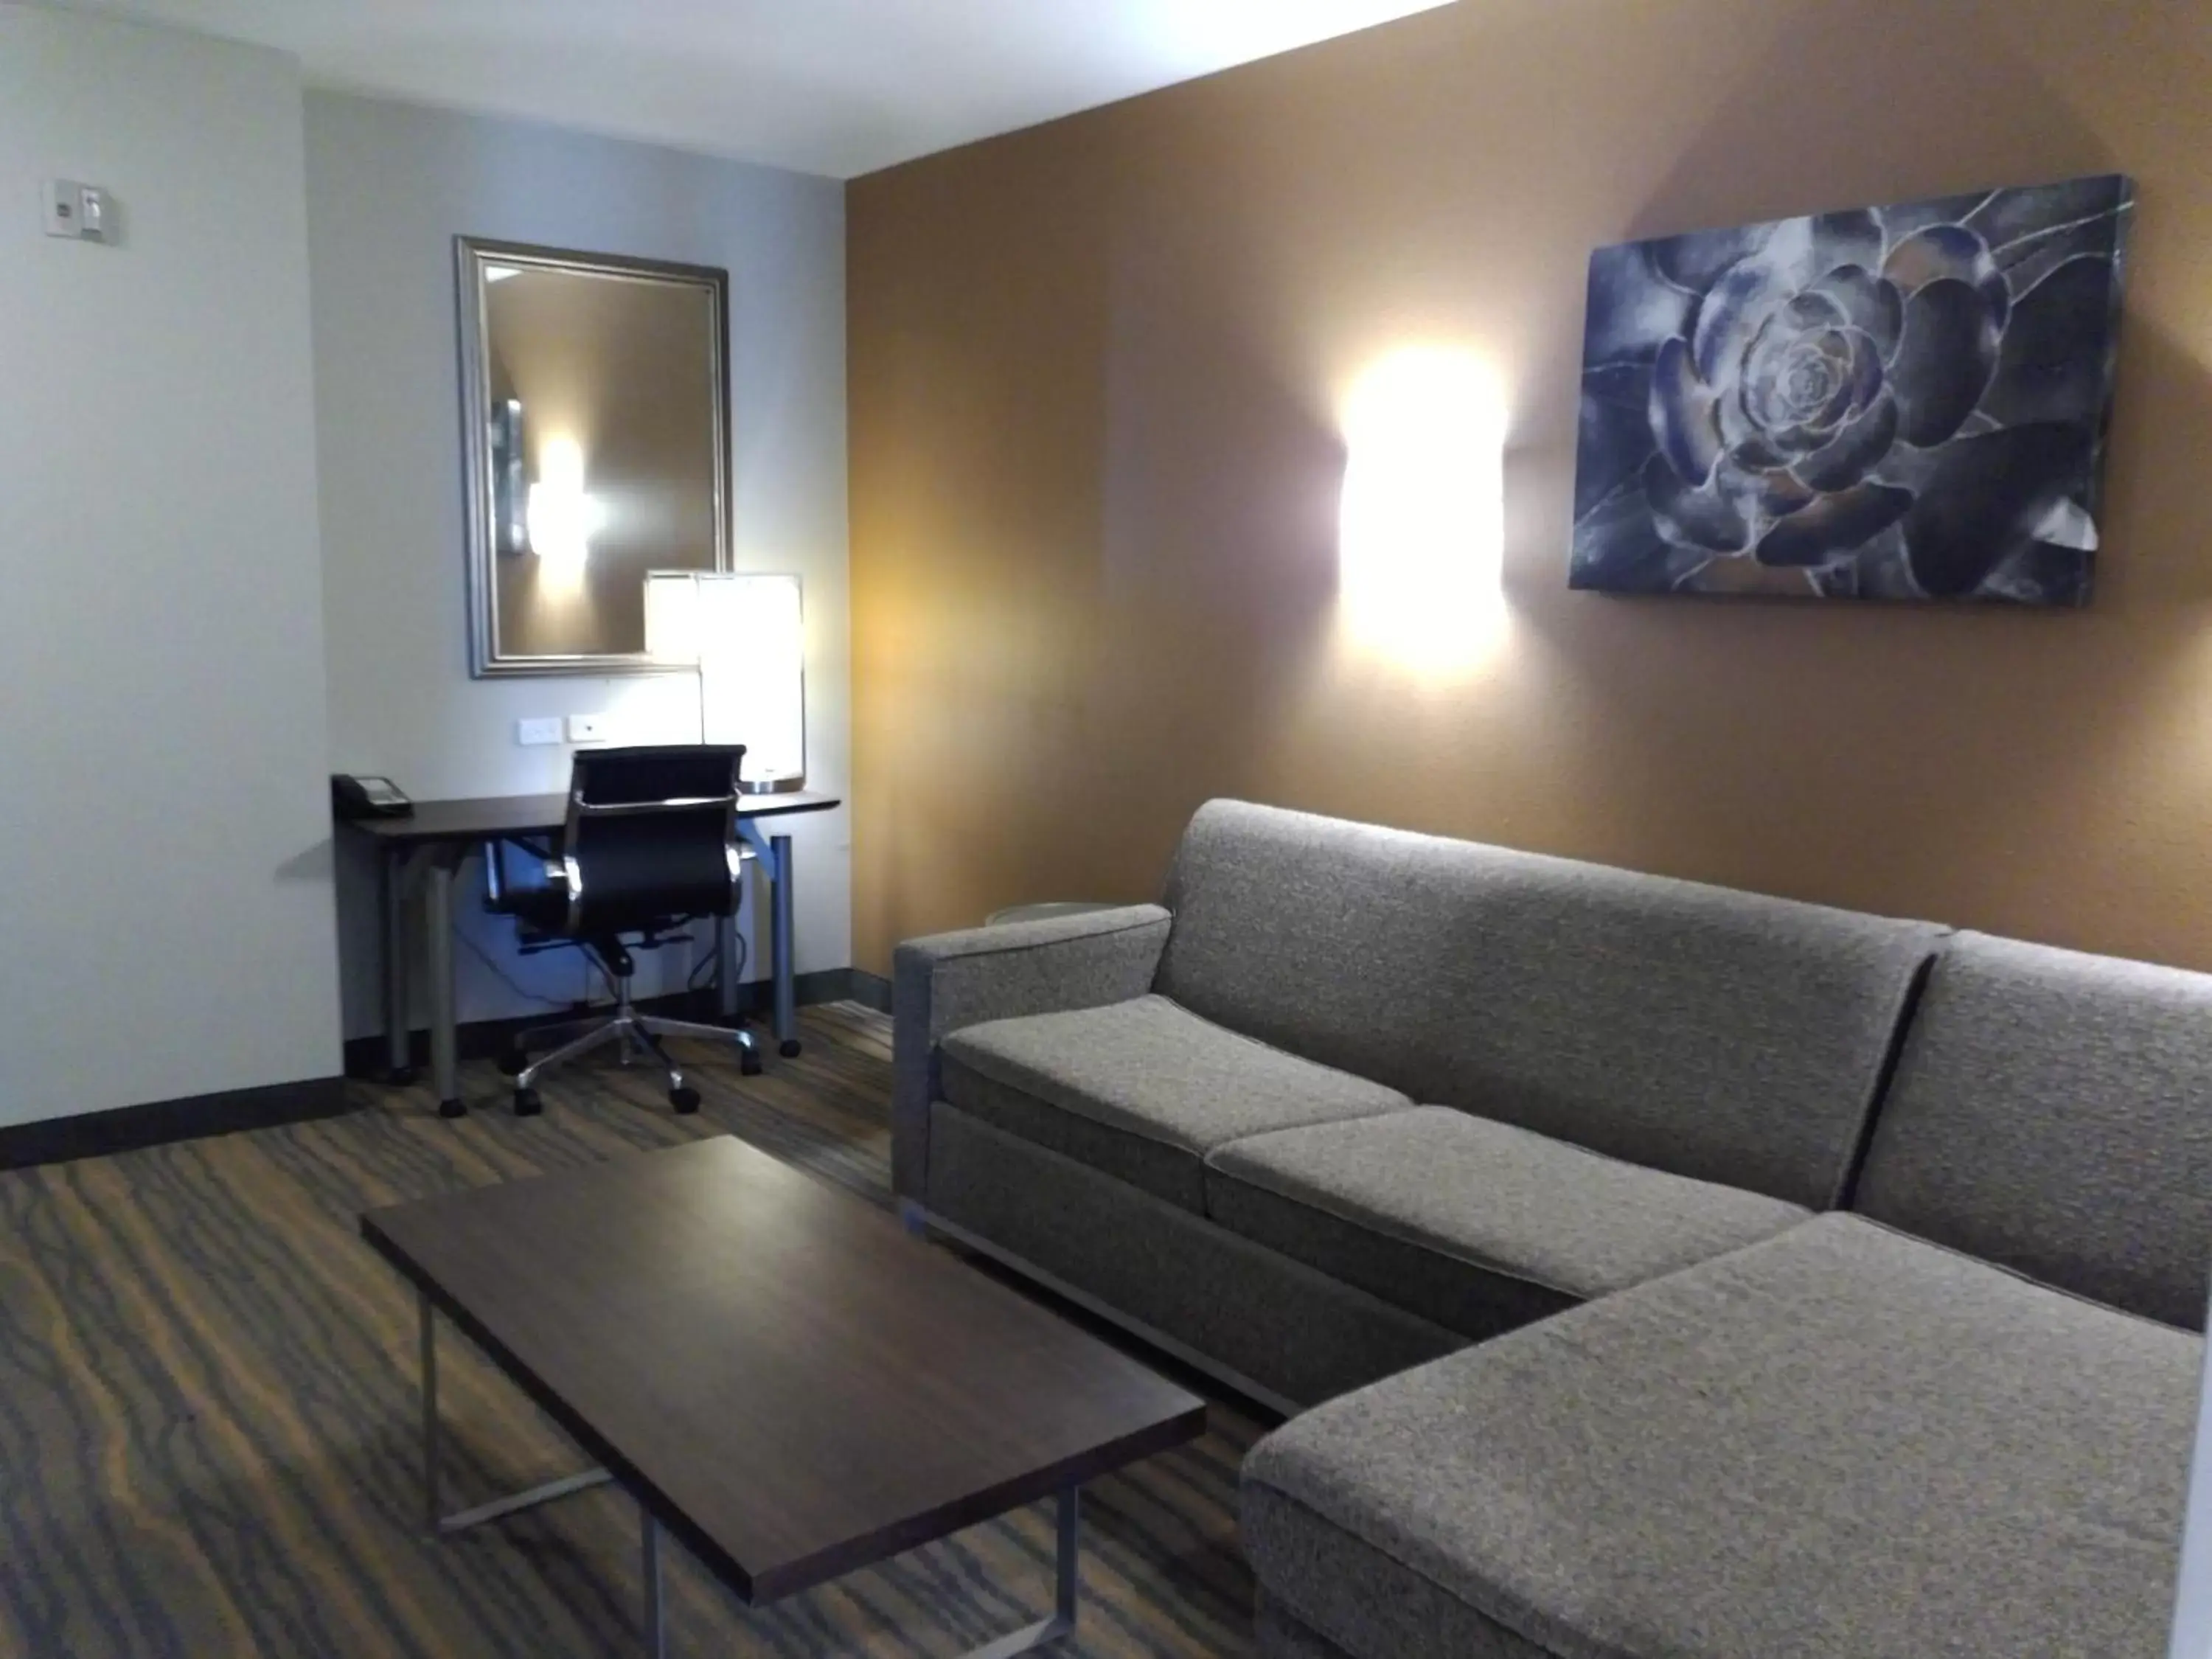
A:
x: 784, y: 784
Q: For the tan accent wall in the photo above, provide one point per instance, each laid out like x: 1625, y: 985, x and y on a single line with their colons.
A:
x: 1096, y: 371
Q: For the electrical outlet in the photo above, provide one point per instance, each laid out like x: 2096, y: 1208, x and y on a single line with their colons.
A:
x: 530, y: 732
x: 589, y: 728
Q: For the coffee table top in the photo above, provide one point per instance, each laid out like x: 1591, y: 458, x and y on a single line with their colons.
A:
x: 788, y: 1381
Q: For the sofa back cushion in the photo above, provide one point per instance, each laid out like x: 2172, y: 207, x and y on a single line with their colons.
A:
x: 2052, y: 1113
x: 1713, y: 1034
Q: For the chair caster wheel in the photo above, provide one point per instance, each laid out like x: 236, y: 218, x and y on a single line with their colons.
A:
x: 788, y: 1048
x: 749, y: 1063
x: 527, y: 1103
x: 684, y: 1100
x: 511, y: 1063
x: 453, y: 1108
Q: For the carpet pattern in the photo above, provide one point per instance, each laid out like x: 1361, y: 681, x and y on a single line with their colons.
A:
x: 209, y: 1421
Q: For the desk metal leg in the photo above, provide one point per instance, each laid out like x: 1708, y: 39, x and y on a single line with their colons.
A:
x: 725, y: 968
x: 779, y: 946
x: 438, y: 949
x: 774, y: 854
x: 391, y: 898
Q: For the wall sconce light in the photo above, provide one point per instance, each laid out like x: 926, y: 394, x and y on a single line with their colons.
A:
x: 1422, y: 526
x: 563, y: 517
x: 510, y: 525
x: 744, y: 633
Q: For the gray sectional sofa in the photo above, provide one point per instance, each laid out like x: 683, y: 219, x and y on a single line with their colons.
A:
x: 1684, y: 1272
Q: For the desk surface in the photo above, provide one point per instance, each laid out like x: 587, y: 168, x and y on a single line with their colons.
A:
x: 773, y: 1367
x: 492, y: 816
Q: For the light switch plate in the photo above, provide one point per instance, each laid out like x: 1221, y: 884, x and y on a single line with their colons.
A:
x: 530, y: 732
x: 65, y: 199
x: 589, y: 728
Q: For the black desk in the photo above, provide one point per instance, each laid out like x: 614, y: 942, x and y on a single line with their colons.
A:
x: 443, y: 835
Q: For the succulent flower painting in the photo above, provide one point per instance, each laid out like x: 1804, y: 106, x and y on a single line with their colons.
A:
x: 1899, y: 403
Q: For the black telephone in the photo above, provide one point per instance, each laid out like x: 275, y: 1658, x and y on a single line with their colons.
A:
x: 368, y: 798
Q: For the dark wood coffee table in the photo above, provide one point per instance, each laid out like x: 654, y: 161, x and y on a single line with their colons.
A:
x: 782, y: 1378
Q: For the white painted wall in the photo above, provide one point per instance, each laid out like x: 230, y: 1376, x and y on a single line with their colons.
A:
x: 165, y: 858
x: 389, y: 186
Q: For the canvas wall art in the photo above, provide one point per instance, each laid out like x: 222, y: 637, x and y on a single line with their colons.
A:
x: 1897, y: 402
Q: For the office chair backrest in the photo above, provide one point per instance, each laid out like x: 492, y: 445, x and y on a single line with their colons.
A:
x: 652, y: 834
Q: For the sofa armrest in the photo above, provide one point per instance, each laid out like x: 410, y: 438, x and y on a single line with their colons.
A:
x: 948, y: 981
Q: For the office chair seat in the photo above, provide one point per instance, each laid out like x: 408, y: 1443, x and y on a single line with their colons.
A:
x: 542, y: 913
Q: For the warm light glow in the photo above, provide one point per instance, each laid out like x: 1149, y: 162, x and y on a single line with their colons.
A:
x: 752, y: 672
x: 1422, y: 529
x: 563, y: 517
x: 746, y: 633
x: 671, y: 618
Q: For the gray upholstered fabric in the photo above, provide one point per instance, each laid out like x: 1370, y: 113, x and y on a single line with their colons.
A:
x: 2053, y: 1112
x: 1278, y: 1635
x: 1479, y: 1227
x: 1143, y: 1088
x: 1339, y: 1606
x: 1841, y: 1443
x: 1432, y: 1625
x: 942, y: 983
x: 1293, y: 1332
x: 1159, y: 1167
x: 1447, y: 1290
x: 1712, y: 1034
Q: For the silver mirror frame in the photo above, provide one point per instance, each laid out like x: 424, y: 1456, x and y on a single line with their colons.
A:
x: 471, y: 254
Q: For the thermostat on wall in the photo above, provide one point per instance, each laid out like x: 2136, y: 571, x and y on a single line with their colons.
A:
x: 76, y: 210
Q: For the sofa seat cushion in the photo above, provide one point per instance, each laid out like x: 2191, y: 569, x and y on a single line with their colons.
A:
x: 1478, y: 1226
x: 1142, y: 1090
x: 1841, y: 1442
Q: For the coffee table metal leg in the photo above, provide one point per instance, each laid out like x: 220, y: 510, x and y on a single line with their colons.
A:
x: 440, y: 1524
x: 1067, y: 1570
x: 1065, y: 1581
x: 656, y: 1606
x: 429, y: 1375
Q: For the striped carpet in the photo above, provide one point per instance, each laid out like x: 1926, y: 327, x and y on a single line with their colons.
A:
x: 208, y: 1426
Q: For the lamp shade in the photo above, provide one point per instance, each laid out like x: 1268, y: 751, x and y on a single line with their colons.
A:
x: 744, y: 633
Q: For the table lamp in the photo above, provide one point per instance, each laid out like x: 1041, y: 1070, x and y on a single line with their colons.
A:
x: 742, y: 634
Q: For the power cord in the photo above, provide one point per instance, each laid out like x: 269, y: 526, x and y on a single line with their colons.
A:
x: 594, y: 967
x: 524, y: 991
x: 699, y: 969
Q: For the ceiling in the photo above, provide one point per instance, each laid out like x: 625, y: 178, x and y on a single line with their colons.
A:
x: 837, y: 87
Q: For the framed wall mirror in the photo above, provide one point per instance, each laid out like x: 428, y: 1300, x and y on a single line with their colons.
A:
x: 595, y: 421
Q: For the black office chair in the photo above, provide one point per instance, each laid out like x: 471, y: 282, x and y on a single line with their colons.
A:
x: 650, y: 844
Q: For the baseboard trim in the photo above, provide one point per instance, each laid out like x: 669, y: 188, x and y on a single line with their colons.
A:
x: 870, y: 990
x: 132, y: 1128
x: 487, y: 1039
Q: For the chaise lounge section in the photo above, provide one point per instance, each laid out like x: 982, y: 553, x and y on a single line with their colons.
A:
x: 1956, y: 1420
